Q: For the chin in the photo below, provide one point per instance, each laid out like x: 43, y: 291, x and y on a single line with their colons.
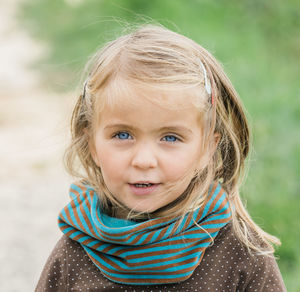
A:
x: 141, y: 210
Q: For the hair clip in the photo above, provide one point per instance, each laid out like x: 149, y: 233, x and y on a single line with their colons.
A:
x: 207, y: 84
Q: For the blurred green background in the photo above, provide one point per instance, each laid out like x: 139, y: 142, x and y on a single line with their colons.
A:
x: 257, y: 41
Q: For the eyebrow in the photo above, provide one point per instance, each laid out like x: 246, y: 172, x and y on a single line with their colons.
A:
x: 163, y: 129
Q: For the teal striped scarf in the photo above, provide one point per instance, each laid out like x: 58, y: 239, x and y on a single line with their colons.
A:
x: 156, y: 251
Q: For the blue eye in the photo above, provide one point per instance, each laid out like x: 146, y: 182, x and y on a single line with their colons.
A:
x: 123, y: 136
x: 170, y: 138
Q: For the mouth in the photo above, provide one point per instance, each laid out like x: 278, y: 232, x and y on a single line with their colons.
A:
x: 143, y: 188
x: 143, y: 185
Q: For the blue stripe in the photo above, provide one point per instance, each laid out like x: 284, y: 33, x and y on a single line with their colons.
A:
x: 62, y: 224
x: 64, y: 217
x: 82, y: 220
x: 88, y: 214
x: 218, y: 217
x: 152, y: 273
x: 71, y: 211
x: 65, y: 231
x: 220, y: 201
x: 74, y: 234
x: 217, y: 225
x: 92, y: 243
x: 167, y: 255
x: 180, y: 227
x: 154, y: 249
x: 207, y: 206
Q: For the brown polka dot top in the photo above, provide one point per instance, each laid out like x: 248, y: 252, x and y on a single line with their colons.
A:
x: 226, y: 266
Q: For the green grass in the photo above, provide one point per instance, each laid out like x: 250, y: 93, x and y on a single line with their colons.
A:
x: 257, y: 41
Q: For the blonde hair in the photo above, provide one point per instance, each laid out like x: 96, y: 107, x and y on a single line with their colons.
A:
x: 156, y: 57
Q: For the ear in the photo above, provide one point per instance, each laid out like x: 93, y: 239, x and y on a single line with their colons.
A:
x: 217, y: 138
x: 95, y: 157
x: 91, y: 145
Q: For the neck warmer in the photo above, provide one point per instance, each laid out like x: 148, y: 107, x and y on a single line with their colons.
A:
x: 156, y: 251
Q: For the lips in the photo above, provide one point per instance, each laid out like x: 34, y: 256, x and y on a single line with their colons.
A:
x: 143, y: 185
x: 143, y: 188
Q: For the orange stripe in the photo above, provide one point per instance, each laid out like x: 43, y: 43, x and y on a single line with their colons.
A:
x: 144, y: 248
x: 84, y: 213
x: 137, y: 280
x: 206, y: 201
x: 75, y: 210
x: 155, y: 253
x: 215, y: 201
x: 151, y: 271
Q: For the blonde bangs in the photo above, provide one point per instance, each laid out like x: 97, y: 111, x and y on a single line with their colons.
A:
x: 121, y: 92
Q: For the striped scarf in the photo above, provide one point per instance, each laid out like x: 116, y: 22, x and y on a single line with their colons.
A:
x: 156, y: 251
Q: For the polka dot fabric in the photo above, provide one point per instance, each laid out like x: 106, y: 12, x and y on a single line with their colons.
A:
x: 226, y: 266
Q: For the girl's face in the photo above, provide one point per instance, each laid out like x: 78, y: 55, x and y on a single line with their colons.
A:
x: 143, y: 148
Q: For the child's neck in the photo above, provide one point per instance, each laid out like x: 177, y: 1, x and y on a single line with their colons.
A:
x: 126, y: 214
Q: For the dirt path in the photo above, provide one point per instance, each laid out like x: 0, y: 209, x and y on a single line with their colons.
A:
x: 33, y: 127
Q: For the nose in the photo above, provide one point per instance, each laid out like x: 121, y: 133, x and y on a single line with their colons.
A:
x: 144, y: 157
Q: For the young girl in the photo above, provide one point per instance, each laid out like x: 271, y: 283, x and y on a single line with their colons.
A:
x: 162, y: 138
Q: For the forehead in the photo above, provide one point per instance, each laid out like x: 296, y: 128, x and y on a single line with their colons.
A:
x: 123, y: 94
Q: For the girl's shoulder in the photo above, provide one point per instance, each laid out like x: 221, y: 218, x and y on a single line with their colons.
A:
x: 230, y: 260
x: 228, y: 247
x: 66, y: 263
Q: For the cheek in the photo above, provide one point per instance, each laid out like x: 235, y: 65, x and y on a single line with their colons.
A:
x: 180, y: 166
x: 112, y: 165
x: 187, y: 157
